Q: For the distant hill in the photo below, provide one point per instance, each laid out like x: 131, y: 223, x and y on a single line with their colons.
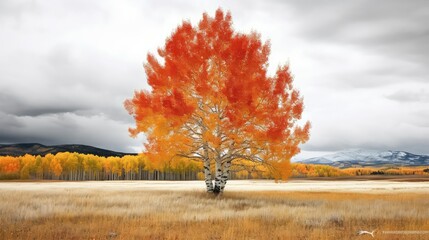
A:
x: 363, y: 158
x: 40, y: 149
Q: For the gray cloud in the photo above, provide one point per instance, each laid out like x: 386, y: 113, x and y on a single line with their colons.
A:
x: 395, y: 24
x: 68, y: 128
x: 420, y: 118
x: 391, y: 33
x: 66, y: 67
x: 409, y: 96
x: 11, y: 104
x: 17, y: 8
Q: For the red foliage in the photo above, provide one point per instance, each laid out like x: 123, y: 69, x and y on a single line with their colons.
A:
x: 210, y: 69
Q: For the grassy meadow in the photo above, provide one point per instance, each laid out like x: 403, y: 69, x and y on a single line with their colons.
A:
x: 142, y: 214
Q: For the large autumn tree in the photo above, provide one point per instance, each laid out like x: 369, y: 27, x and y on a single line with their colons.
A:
x: 211, y: 100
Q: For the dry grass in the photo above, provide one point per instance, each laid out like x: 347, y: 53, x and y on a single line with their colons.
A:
x: 126, y: 214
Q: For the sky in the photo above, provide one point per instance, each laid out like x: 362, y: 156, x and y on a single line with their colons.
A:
x: 66, y: 67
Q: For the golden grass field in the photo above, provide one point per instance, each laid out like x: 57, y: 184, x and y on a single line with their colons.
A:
x: 137, y: 213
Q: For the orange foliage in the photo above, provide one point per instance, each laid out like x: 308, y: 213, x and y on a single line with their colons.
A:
x: 75, y: 166
x: 310, y: 170
x: 9, y: 165
x: 211, y: 97
x: 28, y: 163
x: 61, y: 165
x: 56, y: 167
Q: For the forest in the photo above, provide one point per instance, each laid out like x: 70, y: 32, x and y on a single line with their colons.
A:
x: 79, y: 167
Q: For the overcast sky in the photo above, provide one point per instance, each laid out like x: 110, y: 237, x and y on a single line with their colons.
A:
x: 362, y: 66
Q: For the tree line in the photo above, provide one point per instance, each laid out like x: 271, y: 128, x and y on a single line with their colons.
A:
x: 80, y: 167
x: 312, y: 170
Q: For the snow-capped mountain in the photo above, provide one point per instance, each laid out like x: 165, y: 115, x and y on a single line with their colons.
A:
x: 359, y: 157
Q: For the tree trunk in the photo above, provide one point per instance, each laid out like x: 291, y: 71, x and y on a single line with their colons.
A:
x: 208, y: 175
x: 225, y: 175
x: 218, y: 178
x: 207, y: 172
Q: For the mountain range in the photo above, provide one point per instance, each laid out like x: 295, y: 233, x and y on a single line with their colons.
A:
x: 364, y: 158
x: 21, y: 149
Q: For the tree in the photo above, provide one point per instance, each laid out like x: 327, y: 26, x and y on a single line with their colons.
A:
x: 130, y: 165
x: 9, y: 167
x: 212, y: 100
x: 55, y: 166
x: 28, y: 164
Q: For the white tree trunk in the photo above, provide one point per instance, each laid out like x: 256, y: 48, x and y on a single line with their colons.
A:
x: 208, y: 175
x: 207, y: 172
x: 218, y: 178
x: 225, y: 175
